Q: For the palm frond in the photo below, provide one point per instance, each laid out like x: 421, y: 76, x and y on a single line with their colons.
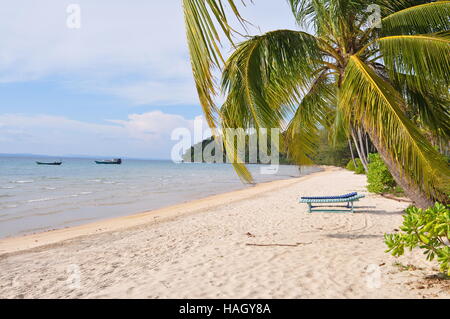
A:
x: 265, y: 73
x: 315, y: 14
x: 369, y: 100
x: 425, y: 57
x: 430, y: 108
x: 302, y: 10
x: 231, y: 143
x: 201, y: 18
x: 312, y: 114
x: 420, y: 19
x: 339, y: 129
x: 262, y: 76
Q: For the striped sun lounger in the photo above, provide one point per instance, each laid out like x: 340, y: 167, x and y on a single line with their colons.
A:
x: 347, y: 198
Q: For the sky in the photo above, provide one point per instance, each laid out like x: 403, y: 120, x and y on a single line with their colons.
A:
x: 115, y: 85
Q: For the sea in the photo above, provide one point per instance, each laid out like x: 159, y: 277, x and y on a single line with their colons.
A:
x: 36, y: 198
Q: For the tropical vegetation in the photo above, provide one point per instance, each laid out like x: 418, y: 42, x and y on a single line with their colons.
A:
x: 427, y: 229
x: 356, y: 165
x: 379, y: 179
x: 365, y: 80
x: 334, y: 154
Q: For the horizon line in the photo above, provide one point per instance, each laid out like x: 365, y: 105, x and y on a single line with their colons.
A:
x: 81, y: 156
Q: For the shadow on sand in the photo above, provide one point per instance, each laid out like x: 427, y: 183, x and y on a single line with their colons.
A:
x: 352, y: 236
x: 360, y: 210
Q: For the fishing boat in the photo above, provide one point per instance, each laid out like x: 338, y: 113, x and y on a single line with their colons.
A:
x: 49, y: 163
x: 116, y: 161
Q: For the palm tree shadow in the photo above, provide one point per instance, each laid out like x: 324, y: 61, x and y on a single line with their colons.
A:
x: 358, y: 210
x: 352, y: 236
x: 368, y: 210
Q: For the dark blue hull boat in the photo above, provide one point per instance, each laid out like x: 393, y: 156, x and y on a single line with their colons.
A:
x: 49, y: 163
x: 116, y: 161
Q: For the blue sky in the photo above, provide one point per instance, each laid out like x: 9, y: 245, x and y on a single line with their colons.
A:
x: 117, y: 86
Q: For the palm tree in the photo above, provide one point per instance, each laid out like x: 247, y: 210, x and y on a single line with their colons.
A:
x: 351, y: 74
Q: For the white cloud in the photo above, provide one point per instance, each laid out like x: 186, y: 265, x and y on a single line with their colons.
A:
x: 116, y: 41
x: 145, y: 36
x: 144, y: 135
x: 153, y: 126
x: 136, y: 50
x: 156, y: 93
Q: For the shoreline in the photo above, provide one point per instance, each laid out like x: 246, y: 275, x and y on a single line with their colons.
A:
x: 21, y: 243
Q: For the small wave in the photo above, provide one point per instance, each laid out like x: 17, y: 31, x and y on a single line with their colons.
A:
x: 8, y: 219
x: 48, y: 213
x: 50, y: 188
x: 85, y: 193
x: 46, y: 199
x: 7, y: 187
x: 109, y: 182
x: 95, y: 180
x: 23, y: 182
x: 41, y: 199
x: 7, y: 206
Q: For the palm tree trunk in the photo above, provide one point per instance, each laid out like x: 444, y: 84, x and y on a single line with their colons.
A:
x: 411, y: 189
x: 358, y: 149
x: 351, y: 151
x: 364, y: 152
x: 367, y: 145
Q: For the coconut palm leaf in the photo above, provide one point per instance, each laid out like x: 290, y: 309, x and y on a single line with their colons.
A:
x: 263, y: 76
x: 312, y: 114
x: 391, y: 6
x: 304, y: 11
x: 265, y: 73
x: 231, y: 141
x: 419, y: 19
x: 427, y: 56
x: 369, y: 100
x: 430, y: 107
x: 203, y: 20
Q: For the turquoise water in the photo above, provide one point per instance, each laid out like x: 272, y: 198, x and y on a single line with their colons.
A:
x: 35, y: 198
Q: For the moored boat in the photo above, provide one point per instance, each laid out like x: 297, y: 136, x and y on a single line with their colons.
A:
x: 116, y: 161
x: 48, y: 163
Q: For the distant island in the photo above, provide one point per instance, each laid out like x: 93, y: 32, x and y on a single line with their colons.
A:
x: 338, y: 154
x: 189, y: 157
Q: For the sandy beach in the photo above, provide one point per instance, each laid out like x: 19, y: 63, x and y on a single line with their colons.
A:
x: 253, y: 243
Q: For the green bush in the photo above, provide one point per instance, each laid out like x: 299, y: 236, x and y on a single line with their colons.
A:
x: 379, y: 178
x: 428, y: 230
x: 351, y: 166
x: 359, y: 169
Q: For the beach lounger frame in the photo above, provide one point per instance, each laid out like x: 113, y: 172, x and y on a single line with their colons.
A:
x: 331, y: 200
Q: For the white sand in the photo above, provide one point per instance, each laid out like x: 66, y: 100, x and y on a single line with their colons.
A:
x: 199, y: 250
